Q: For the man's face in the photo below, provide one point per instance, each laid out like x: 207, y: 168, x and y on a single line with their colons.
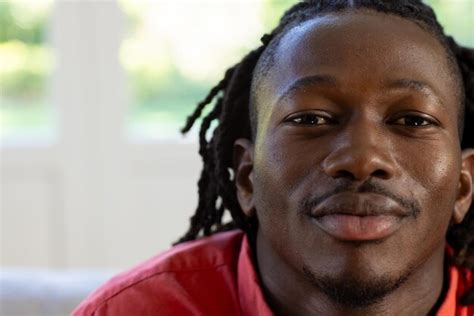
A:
x: 356, y: 162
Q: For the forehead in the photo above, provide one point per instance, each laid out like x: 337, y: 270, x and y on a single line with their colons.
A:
x: 360, y: 47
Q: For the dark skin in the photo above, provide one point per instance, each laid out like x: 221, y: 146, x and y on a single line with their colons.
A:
x: 382, y: 107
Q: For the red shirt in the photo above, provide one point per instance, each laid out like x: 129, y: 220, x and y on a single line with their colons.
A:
x: 211, y: 276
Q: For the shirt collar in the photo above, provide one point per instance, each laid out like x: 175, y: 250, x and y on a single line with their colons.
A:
x: 251, y: 297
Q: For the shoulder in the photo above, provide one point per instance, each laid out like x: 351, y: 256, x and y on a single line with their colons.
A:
x: 172, y: 282
x: 465, y: 285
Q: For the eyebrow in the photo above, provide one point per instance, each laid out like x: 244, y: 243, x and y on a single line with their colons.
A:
x: 314, y: 80
x: 418, y: 86
x: 327, y: 80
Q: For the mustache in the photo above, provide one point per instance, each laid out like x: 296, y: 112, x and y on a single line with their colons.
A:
x: 368, y: 186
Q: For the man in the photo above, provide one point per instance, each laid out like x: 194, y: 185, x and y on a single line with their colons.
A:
x: 344, y: 155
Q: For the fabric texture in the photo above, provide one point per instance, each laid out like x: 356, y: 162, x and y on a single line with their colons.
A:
x: 211, y: 276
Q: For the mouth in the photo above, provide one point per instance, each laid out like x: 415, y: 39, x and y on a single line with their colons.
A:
x: 359, y: 216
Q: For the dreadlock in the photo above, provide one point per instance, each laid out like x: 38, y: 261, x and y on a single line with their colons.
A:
x: 236, y: 118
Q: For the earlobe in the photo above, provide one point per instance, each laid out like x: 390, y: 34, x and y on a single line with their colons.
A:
x: 243, y: 170
x: 465, y: 188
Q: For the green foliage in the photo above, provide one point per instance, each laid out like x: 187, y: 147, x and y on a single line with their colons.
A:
x: 274, y: 9
x: 22, y: 84
x: 25, y: 68
x: 150, y: 88
x: 457, y: 19
x: 18, y: 22
x: 25, y: 59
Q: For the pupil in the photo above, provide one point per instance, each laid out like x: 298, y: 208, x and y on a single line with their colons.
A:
x: 310, y: 119
x: 413, y: 120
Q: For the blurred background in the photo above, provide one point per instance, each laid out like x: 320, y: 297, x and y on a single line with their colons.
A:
x: 95, y: 176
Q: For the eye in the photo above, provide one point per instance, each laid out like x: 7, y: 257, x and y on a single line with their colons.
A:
x: 414, y: 121
x: 308, y: 119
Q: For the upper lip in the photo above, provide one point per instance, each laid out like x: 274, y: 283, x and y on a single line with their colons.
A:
x: 359, y: 204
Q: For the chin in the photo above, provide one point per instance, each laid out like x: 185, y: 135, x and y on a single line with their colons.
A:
x: 356, y: 291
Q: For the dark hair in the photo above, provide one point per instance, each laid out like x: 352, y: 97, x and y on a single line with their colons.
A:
x: 236, y: 118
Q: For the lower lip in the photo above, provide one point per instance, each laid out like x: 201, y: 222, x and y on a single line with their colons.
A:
x: 358, y: 228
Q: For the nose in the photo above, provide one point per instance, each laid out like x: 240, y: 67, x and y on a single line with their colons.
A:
x: 359, y: 153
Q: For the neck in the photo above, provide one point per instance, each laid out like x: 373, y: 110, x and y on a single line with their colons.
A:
x: 288, y: 292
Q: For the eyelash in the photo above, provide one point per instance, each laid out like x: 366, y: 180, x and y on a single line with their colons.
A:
x: 311, y: 116
x: 429, y: 122
x: 298, y: 119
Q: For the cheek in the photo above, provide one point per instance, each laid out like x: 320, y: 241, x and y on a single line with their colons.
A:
x: 437, y: 176
x: 432, y: 179
x: 287, y: 162
x: 280, y: 171
x: 277, y: 172
x: 281, y: 166
x: 271, y: 176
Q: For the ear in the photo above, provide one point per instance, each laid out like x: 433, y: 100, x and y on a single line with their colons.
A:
x: 243, y: 170
x: 465, y: 187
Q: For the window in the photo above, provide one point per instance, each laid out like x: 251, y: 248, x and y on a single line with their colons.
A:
x: 175, y: 51
x: 456, y: 16
x: 27, y: 62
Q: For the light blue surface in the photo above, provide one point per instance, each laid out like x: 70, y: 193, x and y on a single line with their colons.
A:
x: 39, y: 292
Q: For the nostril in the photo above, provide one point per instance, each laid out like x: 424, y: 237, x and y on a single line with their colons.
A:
x: 345, y: 174
x: 358, y: 165
x: 379, y: 173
